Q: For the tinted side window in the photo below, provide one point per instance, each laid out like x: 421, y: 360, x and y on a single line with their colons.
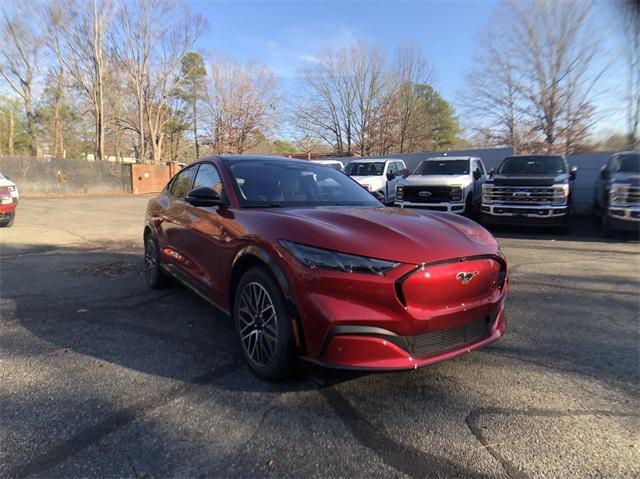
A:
x: 482, y: 169
x: 182, y: 183
x: 208, y: 176
x: 391, y: 168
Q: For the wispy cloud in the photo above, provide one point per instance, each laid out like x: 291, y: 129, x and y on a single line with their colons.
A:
x: 298, y: 45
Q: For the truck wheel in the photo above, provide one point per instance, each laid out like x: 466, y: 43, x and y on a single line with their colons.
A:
x: 605, y: 225
x: 565, y: 229
x: 469, y: 210
x: 8, y: 223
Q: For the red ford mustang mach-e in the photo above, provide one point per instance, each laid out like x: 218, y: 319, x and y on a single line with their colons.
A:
x: 310, y: 265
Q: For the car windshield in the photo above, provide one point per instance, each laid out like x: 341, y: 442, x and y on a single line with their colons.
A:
x: 365, y: 169
x: 443, y: 167
x: 628, y: 163
x: 265, y: 183
x: 532, y: 165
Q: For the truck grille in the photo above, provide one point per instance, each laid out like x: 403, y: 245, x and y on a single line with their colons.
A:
x: 518, y: 195
x: 430, y: 194
x: 629, y: 196
x: 439, y: 341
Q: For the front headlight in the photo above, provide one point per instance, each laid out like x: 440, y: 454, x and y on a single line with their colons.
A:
x: 456, y: 193
x: 313, y: 257
x: 399, y: 192
x: 560, y: 193
x: 486, y: 193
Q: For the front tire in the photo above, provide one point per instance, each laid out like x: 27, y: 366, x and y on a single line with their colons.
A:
x: 262, y: 325
x: 155, y: 276
x: 605, y: 225
x: 8, y: 223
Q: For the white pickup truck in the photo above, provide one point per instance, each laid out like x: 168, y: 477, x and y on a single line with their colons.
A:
x: 446, y: 183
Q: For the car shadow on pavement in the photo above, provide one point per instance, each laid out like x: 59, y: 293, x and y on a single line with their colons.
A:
x: 96, y: 303
x: 582, y: 229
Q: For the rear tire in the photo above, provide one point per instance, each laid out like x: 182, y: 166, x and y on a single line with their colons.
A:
x: 155, y: 276
x: 263, y: 326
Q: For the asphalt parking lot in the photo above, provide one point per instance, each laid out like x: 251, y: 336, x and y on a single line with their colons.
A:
x: 101, y: 376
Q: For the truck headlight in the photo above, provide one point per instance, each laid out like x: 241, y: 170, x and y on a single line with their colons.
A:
x: 313, y: 257
x: 456, y: 193
x: 399, y: 193
x: 486, y: 193
x: 560, y: 193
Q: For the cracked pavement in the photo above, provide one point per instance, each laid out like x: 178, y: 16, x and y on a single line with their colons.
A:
x: 101, y: 376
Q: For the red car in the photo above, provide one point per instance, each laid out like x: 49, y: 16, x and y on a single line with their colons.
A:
x: 311, y: 266
x: 7, y: 208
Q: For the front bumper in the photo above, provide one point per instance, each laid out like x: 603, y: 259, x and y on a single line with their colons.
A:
x: 363, y: 321
x: 386, y: 351
x: 449, y: 207
x: 624, y: 218
x: 546, y: 215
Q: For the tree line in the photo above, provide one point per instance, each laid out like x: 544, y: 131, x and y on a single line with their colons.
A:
x: 126, y: 79
x: 538, y: 75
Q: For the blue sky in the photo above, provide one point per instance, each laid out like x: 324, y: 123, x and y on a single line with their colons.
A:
x: 283, y: 34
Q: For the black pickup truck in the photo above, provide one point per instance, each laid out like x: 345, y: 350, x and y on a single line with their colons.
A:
x: 616, y: 200
x: 531, y: 190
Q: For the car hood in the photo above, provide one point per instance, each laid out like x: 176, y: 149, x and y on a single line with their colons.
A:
x: 369, y: 180
x: 5, y: 182
x: 436, y: 180
x: 623, y: 177
x: 529, y: 180
x: 407, y: 236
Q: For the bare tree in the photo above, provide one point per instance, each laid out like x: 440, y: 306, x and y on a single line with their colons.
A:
x: 536, y: 76
x: 84, y: 58
x: 325, y: 104
x: 411, y: 68
x: 53, y: 27
x: 492, y: 101
x: 151, y: 38
x: 19, y: 56
x: 342, y: 94
x: 242, y: 104
x: 629, y: 11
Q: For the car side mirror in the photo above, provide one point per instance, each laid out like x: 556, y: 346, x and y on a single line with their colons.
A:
x: 492, y: 172
x: 204, y: 196
x: 390, y: 176
x: 378, y: 196
x: 573, y: 172
x: 476, y: 174
x: 405, y: 172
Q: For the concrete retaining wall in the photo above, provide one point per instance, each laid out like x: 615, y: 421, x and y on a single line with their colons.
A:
x: 588, y: 164
x: 36, y: 177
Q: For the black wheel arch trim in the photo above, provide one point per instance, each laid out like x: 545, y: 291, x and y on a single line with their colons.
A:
x: 274, y: 268
x: 357, y: 330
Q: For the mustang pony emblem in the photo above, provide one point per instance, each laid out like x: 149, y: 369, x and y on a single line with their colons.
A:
x: 466, y: 277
